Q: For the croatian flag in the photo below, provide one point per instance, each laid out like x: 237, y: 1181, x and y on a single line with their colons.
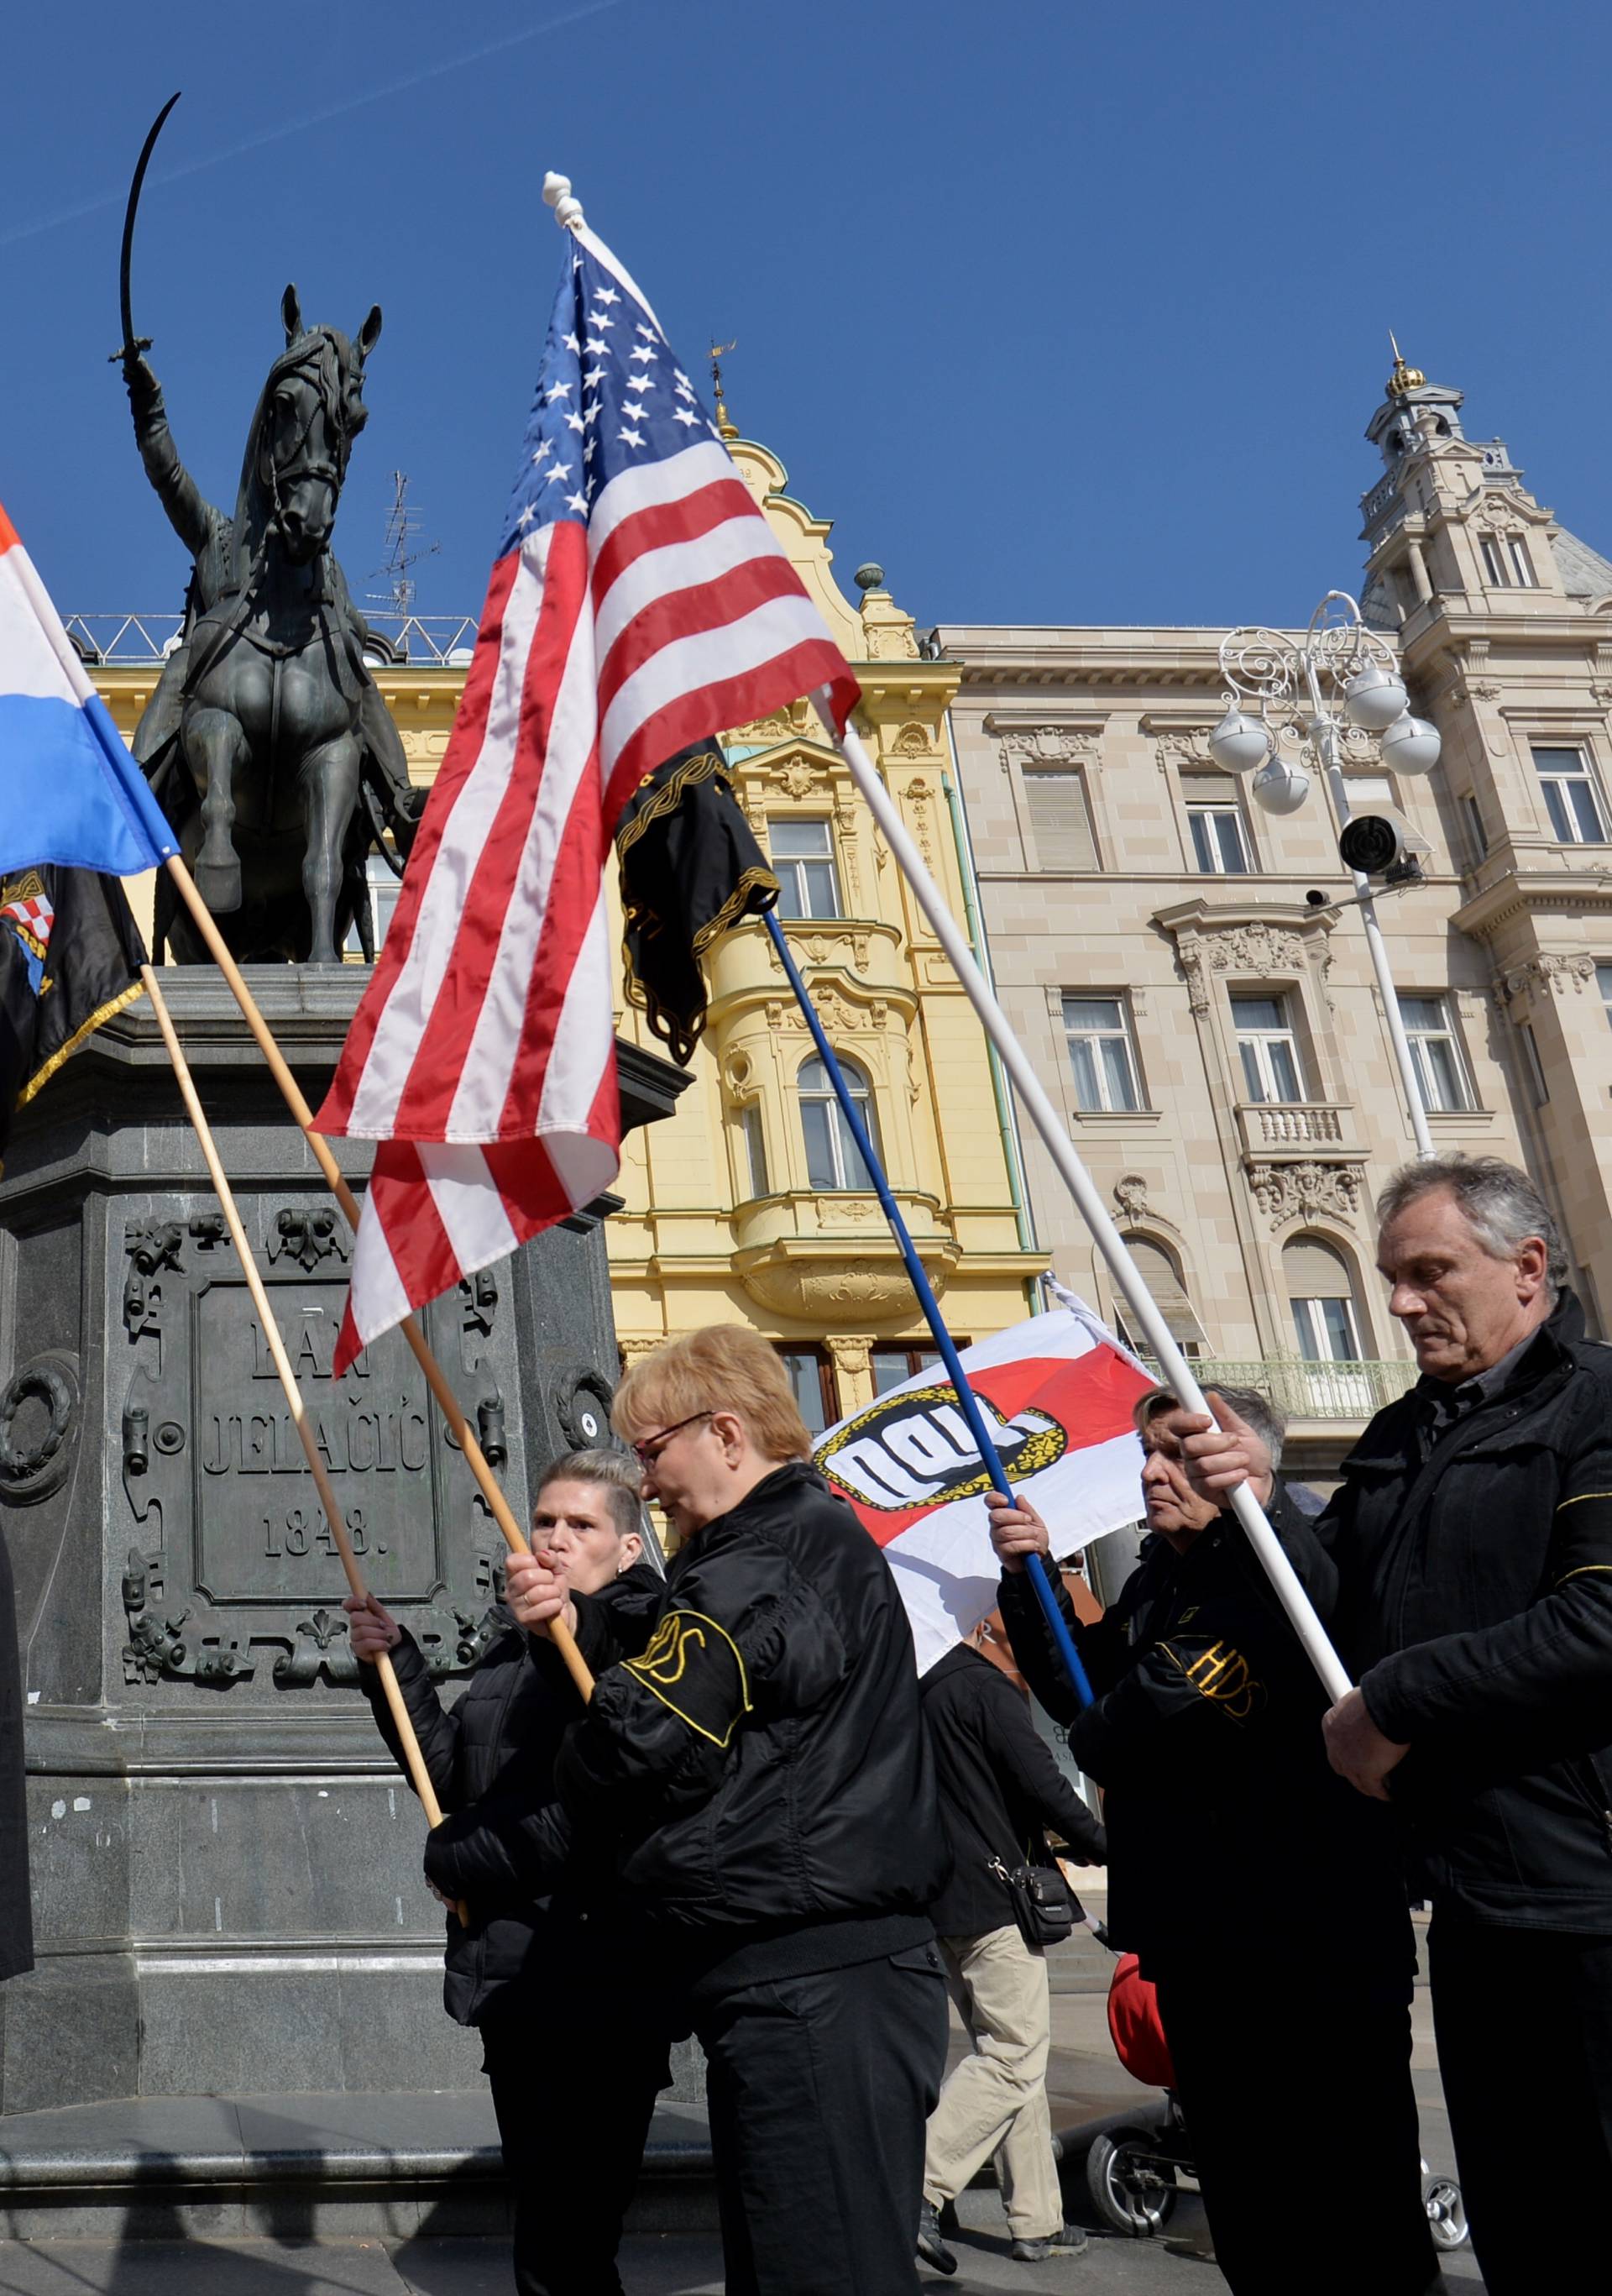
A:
x: 639, y: 600
x: 1057, y: 1394
x: 70, y: 791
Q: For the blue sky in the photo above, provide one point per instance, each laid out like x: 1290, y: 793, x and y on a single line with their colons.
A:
x: 1062, y: 314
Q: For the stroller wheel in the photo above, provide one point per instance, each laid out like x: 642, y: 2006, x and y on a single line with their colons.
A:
x: 1446, y: 2211
x: 1133, y: 2189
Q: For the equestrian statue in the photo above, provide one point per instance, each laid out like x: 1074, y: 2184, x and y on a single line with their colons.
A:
x: 266, y: 741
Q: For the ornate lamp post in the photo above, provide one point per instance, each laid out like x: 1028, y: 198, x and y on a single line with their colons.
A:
x: 1302, y: 691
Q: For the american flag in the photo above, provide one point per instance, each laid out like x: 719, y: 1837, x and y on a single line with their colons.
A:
x: 638, y: 601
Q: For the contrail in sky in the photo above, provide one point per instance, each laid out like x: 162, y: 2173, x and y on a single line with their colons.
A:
x: 25, y: 231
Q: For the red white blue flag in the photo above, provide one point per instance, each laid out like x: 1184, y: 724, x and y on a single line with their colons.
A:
x: 639, y: 600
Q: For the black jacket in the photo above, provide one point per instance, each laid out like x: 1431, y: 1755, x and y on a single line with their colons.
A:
x: 1225, y: 1823
x: 1000, y: 1788
x: 1473, y: 1601
x: 491, y: 1760
x: 763, y: 1766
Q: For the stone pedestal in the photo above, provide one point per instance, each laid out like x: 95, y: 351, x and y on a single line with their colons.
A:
x: 225, y: 1865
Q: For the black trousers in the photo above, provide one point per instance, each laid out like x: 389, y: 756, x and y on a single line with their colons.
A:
x: 1524, y: 2024
x: 819, y: 2087
x: 572, y: 2131
x: 1297, y: 2094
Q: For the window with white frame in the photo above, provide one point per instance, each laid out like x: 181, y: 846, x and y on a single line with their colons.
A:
x: 1218, y: 834
x: 1367, y: 792
x: 1603, y: 982
x: 1572, y: 799
x: 383, y: 890
x: 1160, y: 1271
x: 1441, y: 1074
x: 1059, y: 823
x: 1101, y: 1054
x: 1507, y: 565
x: 1321, y: 1298
x: 1268, y: 1048
x: 803, y: 861
x: 833, y: 1159
x: 755, y: 1150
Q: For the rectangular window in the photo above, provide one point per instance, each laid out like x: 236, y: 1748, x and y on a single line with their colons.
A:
x: 1215, y: 824
x: 1476, y: 839
x: 1603, y: 982
x: 811, y: 1377
x: 756, y: 1149
x: 1267, y: 1048
x: 1325, y: 1329
x: 1101, y: 1054
x: 1522, y: 565
x: 803, y: 857
x: 1534, y: 1065
x: 1571, y: 796
x: 1367, y: 792
x: 893, y: 1366
x: 1059, y: 821
x: 1495, y: 564
x: 1441, y: 1076
x: 383, y: 890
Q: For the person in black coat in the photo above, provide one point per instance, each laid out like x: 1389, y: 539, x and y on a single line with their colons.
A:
x: 1468, y: 1553
x: 587, y: 2054
x: 762, y: 1772
x: 1000, y: 1789
x: 1263, y: 1899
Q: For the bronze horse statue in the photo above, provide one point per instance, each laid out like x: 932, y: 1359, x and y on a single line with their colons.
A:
x: 266, y: 741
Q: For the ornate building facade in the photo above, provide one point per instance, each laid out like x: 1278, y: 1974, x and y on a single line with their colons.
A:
x: 1209, y: 1025
x: 749, y: 1203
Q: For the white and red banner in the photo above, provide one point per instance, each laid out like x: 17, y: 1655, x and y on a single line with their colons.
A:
x: 1057, y: 1393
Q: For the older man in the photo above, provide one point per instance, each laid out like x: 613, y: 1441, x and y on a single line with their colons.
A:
x: 1262, y: 1897
x: 1472, y: 1542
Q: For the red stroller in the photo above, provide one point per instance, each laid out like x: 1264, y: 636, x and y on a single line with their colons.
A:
x: 1132, y: 2168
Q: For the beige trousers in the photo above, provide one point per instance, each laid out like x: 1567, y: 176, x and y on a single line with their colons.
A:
x: 995, y: 2101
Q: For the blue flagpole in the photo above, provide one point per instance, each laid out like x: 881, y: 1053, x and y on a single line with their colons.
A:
x: 966, y: 1401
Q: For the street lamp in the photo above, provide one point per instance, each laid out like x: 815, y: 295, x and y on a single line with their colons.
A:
x: 1298, y: 689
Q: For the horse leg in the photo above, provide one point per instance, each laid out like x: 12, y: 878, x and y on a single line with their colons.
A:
x: 329, y: 797
x: 215, y: 745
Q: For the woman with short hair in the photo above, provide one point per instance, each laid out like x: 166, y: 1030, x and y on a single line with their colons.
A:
x: 587, y: 2052
x: 763, y: 1767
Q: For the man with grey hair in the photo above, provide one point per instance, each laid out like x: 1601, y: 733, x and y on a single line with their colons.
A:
x: 1470, y: 1594
x: 1235, y: 1858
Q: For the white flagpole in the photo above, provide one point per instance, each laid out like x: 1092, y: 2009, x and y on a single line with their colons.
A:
x: 1177, y: 1374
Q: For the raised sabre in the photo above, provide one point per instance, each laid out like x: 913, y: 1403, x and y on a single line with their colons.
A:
x: 133, y: 345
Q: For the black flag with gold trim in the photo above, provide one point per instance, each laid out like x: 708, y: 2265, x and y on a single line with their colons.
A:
x: 690, y: 870
x: 70, y: 955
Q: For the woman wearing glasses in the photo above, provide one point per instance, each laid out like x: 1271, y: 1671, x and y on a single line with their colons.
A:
x: 556, y: 1982
x: 763, y: 1767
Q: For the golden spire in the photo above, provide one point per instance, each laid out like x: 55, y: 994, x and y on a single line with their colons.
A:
x: 719, y: 351
x: 1404, y: 379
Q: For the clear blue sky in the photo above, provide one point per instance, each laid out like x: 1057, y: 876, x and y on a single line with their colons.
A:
x: 1062, y: 314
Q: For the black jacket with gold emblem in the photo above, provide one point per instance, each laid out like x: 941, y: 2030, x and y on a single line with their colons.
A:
x: 1224, y: 1820
x: 763, y: 1767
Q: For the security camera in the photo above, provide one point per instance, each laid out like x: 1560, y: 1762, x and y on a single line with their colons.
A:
x: 1376, y: 846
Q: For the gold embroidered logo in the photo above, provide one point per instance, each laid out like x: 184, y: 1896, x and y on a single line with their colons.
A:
x: 693, y: 1667
x: 1223, y: 1675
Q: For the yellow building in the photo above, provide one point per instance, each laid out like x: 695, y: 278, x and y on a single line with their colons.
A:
x: 748, y: 1204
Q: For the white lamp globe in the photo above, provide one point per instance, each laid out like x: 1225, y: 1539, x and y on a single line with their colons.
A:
x: 1411, y: 745
x: 1374, y: 697
x: 1281, y: 786
x: 1239, y: 743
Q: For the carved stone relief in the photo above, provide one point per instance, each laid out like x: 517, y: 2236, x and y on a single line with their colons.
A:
x: 1550, y: 969
x: 1286, y: 1192
x: 1131, y: 1196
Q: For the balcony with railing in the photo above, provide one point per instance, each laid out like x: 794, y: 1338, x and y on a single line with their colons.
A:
x: 1351, y: 1390
x: 1279, y: 1127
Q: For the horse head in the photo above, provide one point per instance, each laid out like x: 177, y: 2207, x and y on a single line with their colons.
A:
x: 311, y: 410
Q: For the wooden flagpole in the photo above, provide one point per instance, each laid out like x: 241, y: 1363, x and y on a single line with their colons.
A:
x: 458, y: 1425
x: 412, y: 1755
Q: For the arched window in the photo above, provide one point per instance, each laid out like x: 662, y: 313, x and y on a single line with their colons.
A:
x: 832, y: 1158
x: 1161, y: 1272
x: 1320, y: 1295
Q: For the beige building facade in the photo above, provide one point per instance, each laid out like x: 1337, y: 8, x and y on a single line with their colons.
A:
x: 749, y: 1205
x: 1210, y: 1028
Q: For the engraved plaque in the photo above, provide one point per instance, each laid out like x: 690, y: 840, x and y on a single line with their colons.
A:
x: 261, y: 1532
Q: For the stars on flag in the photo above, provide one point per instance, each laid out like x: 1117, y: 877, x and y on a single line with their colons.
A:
x: 631, y: 437
x: 556, y: 391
